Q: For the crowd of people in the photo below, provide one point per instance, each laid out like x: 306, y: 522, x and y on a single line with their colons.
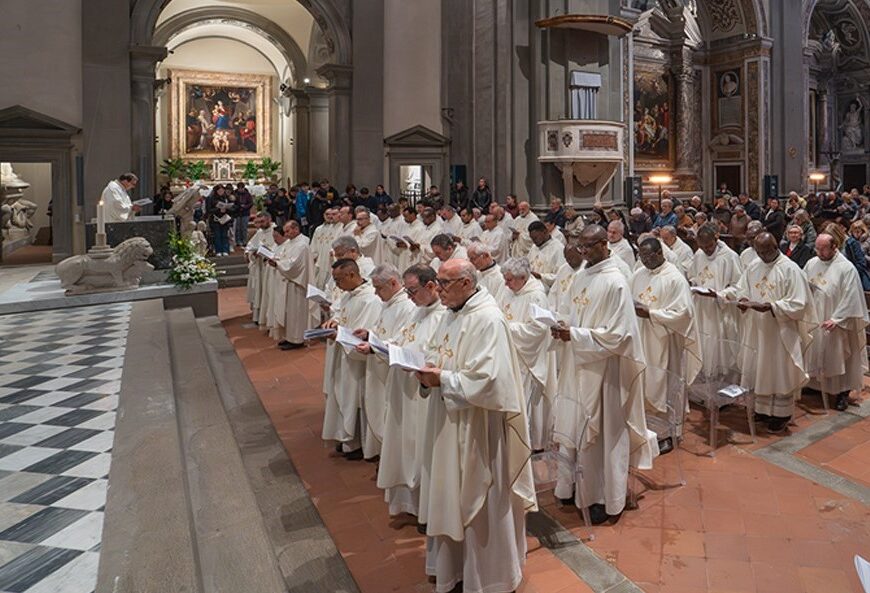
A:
x: 555, y: 335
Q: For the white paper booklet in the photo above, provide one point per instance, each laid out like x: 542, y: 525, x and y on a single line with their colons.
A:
x: 317, y: 295
x: 701, y: 290
x: 346, y: 338
x: 863, y: 568
x: 318, y: 333
x: 732, y: 391
x: 224, y: 205
x: 378, y: 345
x: 143, y: 202
x: 265, y: 252
x: 545, y: 316
x: 225, y: 219
x: 406, y: 358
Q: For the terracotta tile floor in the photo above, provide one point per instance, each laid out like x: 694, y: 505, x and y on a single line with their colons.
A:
x: 739, y: 524
x: 846, y: 452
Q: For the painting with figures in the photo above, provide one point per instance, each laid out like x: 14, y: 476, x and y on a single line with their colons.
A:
x: 215, y: 115
x: 652, y: 117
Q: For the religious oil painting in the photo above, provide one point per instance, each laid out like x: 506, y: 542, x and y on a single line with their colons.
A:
x: 652, y: 117
x: 215, y: 115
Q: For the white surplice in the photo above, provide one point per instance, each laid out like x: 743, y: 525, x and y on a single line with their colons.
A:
x: 295, y: 267
x: 606, y: 385
x: 669, y: 336
x: 391, y: 227
x: 523, y: 243
x: 622, y: 249
x: 682, y: 255
x: 476, y: 479
x: 405, y: 419
x: 546, y: 260
x: 406, y: 257
x: 321, y: 250
x: 459, y: 252
x: 256, y: 267
x: 452, y: 226
x: 773, y: 359
x: 498, y: 240
x: 492, y: 280
x: 838, y: 358
x: 469, y: 231
x: 370, y: 243
x: 117, y: 206
x: 424, y: 235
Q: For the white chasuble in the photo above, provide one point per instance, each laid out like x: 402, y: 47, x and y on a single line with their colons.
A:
x: 459, y: 252
x: 256, y: 267
x: 405, y: 418
x: 747, y: 256
x: 392, y: 227
x: 424, y: 237
x: 838, y: 357
x: 537, y: 363
x: 546, y: 260
x: 321, y: 250
x: 370, y: 243
x: 773, y: 360
x: 470, y: 231
x: 476, y: 478
x: 393, y: 315
x: 523, y: 243
x: 498, y: 241
x: 492, y: 280
x: 452, y: 226
x: 346, y: 385
x: 682, y: 255
x: 669, y: 334
x: 406, y: 257
x: 622, y: 249
x: 718, y: 321
x: 295, y: 266
x: 607, y: 387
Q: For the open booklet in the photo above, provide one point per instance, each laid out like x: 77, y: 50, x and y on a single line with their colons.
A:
x: 701, y: 290
x: 317, y: 333
x: 225, y: 219
x: 545, y: 316
x: 143, y: 202
x: 318, y: 296
x: 378, y: 345
x: 265, y: 252
x: 345, y: 337
x: 406, y: 358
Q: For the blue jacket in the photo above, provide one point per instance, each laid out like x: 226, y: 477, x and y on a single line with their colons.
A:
x: 302, y: 198
x: 668, y: 220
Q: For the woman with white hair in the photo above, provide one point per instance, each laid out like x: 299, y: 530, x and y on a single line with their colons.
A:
x: 795, y: 248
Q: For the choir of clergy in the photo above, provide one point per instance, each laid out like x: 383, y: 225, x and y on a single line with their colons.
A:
x: 538, y: 343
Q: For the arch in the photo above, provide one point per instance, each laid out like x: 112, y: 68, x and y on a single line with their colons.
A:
x: 244, y: 42
x: 251, y: 20
x: 145, y: 13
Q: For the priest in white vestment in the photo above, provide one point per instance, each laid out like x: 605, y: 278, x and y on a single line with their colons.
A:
x: 270, y: 282
x: 521, y: 240
x: 495, y: 237
x: 779, y: 315
x: 619, y: 245
x: 838, y: 358
x: 295, y: 265
x: 407, y: 250
x: 476, y: 481
x: 716, y: 269
x: 425, y: 233
x: 545, y: 257
x: 405, y: 416
x: 449, y: 221
x: 347, y: 221
x: 489, y: 272
x: 604, y: 385
x: 682, y: 252
x: 391, y: 228
x: 444, y: 248
x: 262, y: 236
x: 321, y: 247
x: 344, y: 372
x: 532, y: 342
x: 470, y: 229
x: 117, y: 206
x: 367, y: 236
x: 666, y: 316
x: 555, y: 231
x: 748, y: 255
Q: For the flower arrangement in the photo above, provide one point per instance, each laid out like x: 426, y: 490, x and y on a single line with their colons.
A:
x: 188, y: 267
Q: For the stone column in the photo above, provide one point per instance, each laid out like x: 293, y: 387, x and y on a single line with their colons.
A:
x: 300, y: 106
x: 340, y: 79
x: 686, y: 120
x: 143, y: 61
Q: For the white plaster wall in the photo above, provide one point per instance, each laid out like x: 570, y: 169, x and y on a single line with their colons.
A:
x: 38, y: 175
x: 41, y: 57
x: 412, y: 65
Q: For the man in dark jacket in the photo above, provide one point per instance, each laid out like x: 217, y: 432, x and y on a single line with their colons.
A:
x: 774, y: 219
x: 752, y: 209
x: 482, y: 196
x: 459, y: 196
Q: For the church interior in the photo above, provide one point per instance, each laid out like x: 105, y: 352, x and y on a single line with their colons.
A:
x: 482, y: 296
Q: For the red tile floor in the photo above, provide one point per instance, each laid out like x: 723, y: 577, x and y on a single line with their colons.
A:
x: 739, y: 525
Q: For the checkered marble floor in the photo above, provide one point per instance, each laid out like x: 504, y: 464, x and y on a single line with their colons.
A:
x: 60, y: 375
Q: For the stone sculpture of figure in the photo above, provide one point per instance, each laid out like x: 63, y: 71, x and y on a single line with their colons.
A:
x: 122, y: 270
x: 22, y: 212
x: 853, y: 135
x: 183, y: 206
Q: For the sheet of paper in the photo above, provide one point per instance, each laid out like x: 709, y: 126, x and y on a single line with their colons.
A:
x: 225, y: 219
x: 406, y: 358
x: 701, y: 290
x: 224, y: 205
x: 317, y: 333
x: 317, y: 295
x: 410, y: 241
x: 732, y: 391
x: 379, y: 345
x: 396, y: 238
x: 143, y: 202
x: 265, y: 252
x: 345, y: 337
x: 545, y: 316
x: 863, y: 568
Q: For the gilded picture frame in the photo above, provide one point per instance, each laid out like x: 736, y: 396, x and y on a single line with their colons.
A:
x: 218, y: 115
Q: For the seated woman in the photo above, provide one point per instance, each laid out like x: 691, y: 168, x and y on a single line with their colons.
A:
x: 795, y: 248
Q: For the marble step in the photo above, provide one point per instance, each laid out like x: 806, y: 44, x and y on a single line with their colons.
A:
x: 232, y: 281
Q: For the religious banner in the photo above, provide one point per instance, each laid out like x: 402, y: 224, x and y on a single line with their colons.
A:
x: 653, y: 124
x: 213, y: 115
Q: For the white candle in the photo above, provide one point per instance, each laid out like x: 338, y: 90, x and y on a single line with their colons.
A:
x: 101, y: 219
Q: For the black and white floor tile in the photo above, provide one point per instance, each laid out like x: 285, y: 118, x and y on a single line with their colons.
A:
x: 60, y: 375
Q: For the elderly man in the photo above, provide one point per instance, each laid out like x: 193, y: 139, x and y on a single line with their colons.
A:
x: 545, y: 256
x: 604, y: 384
x: 344, y: 375
x: 406, y: 248
x: 667, y: 216
x: 262, y: 236
x: 477, y: 482
x: 444, y: 248
x: 716, y: 268
x: 682, y: 253
x: 488, y: 269
x: 496, y: 238
x: 531, y: 340
x: 663, y: 303
x: 395, y: 310
x: 450, y: 222
x: 521, y: 241
x: 738, y: 225
x: 618, y: 244
x: 345, y: 247
x: 838, y: 355
x: 117, y: 206
x: 753, y: 210
x: 367, y: 235
x: 405, y: 416
x: 748, y: 255
x: 779, y: 314
x: 321, y: 247
x: 294, y: 264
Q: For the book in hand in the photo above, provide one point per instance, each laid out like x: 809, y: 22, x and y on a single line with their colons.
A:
x: 225, y: 219
x: 224, y: 205
x: 318, y: 333
x: 410, y: 241
x: 345, y: 337
x: 545, y: 316
x: 318, y: 296
x: 406, y: 358
x: 701, y: 290
x: 143, y: 202
x: 378, y: 345
x: 265, y: 252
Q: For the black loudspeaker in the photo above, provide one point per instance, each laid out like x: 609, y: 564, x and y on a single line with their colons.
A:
x: 632, y: 191
x: 771, y: 187
x: 457, y: 173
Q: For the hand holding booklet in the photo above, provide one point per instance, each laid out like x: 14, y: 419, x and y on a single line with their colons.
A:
x: 265, y: 252
x: 346, y: 338
x: 317, y: 295
x: 378, y: 345
x: 406, y: 358
x: 545, y: 316
x: 143, y: 202
x: 701, y: 290
x: 318, y: 333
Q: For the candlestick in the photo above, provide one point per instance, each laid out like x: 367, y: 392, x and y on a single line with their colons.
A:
x: 101, y: 222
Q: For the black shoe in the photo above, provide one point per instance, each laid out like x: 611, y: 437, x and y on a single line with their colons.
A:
x: 597, y: 514
x: 537, y: 451
x: 761, y: 417
x: 666, y: 446
x: 290, y: 346
x: 338, y: 448
x: 283, y: 343
x: 842, y: 403
x: 421, y: 528
x: 567, y: 501
x: 354, y: 455
x: 777, y: 423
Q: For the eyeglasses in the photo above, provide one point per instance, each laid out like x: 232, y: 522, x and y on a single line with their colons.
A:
x: 445, y: 282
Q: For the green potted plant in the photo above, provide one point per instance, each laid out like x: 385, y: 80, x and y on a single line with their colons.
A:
x: 250, y: 172
x: 197, y: 170
x: 174, y: 169
x: 270, y: 168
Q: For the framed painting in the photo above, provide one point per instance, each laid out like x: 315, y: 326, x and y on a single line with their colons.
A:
x: 218, y: 115
x: 653, y: 121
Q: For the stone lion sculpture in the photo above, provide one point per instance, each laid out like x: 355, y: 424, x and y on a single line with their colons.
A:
x: 122, y: 270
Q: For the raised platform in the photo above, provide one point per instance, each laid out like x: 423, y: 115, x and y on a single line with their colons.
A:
x: 44, y: 292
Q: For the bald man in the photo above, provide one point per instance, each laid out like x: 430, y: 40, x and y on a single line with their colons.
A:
x: 521, y: 241
x: 619, y: 245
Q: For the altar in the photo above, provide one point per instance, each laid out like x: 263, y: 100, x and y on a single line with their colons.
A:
x: 155, y: 229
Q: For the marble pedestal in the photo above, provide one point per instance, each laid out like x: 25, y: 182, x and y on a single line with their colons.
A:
x: 155, y: 229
